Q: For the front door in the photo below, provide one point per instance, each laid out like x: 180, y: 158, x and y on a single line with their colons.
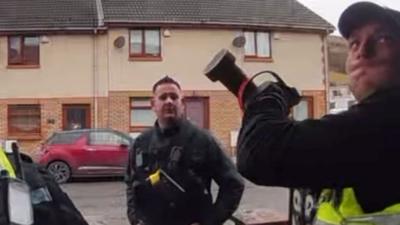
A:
x: 196, y: 111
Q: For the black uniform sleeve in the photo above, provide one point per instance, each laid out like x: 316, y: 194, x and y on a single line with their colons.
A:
x: 274, y: 150
x: 59, y: 209
x: 130, y: 191
x: 231, y: 184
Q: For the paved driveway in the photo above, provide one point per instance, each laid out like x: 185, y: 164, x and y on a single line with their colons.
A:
x: 103, y: 202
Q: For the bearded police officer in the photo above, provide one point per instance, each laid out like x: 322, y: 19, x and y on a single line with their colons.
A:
x: 171, y: 167
x: 352, y: 155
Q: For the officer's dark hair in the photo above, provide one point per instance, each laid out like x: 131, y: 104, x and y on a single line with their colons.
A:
x: 166, y: 80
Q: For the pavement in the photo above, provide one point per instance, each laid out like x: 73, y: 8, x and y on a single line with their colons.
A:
x: 103, y: 201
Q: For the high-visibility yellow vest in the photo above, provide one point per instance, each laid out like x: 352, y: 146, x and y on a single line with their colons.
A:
x: 349, y: 212
x: 5, y: 164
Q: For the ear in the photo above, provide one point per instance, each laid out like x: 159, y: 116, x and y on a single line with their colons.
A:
x: 183, y: 105
x: 152, y: 103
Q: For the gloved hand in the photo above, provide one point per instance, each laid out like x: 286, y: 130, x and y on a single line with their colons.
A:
x: 291, y: 94
x: 285, y: 96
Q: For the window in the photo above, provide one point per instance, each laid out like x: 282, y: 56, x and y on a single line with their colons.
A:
x: 107, y: 138
x: 76, y: 116
x: 258, y: 44
x: 24, y: 119
x: 196, y: 111
x: 23, y: 50
x: 304, y: 109
x: 141, y: 115
x: 332, y: 105
x: 145, y: 43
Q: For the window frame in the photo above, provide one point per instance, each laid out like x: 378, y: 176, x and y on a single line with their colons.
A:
x: 22, y: 62
x: 256, y: 56
x: 12, y: 131
x: 143, y: 54
x: 132, y: 107
x: 310, y: 103
x: 66, y: 107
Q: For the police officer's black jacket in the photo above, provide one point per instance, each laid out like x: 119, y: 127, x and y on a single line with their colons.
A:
x: 198, y: 161
x: 359, y: 148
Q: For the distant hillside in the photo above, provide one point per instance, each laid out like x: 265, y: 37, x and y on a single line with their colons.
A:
x: 337, y: 54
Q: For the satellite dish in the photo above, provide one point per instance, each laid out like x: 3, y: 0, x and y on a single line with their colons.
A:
x: 119, y: 42
x: 239, y: 41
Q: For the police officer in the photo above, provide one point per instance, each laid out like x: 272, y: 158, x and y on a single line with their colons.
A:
x: 171, y: 167
x: 355, y: 154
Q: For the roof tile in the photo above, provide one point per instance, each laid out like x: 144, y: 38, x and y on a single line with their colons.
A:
x: 241, y: 12
x: 47, y: 14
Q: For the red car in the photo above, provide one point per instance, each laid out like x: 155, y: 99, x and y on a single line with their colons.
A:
x: 85, y: 153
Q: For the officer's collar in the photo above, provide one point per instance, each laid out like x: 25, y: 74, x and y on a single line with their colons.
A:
x: 169, y: 131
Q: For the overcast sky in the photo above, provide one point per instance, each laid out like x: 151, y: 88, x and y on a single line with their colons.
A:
x: 331, y: 9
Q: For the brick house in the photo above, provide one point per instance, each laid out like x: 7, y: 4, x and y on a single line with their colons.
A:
x: 91, y: 63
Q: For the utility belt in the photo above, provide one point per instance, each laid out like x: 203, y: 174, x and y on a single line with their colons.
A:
x: 177, y: 190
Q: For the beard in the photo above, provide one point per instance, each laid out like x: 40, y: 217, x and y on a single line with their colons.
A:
x: 169, y: 122
x: 170, y: 117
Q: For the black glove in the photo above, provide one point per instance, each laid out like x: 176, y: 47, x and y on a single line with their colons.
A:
x: 277, y: 92
x: 291, y: 94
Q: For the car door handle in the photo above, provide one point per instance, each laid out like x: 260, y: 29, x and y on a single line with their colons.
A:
x: 90, y: 149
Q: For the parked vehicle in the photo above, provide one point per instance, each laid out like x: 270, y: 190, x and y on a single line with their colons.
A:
x: 85, y: 153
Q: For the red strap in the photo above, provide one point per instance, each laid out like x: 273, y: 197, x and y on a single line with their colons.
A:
x: 242, y: 88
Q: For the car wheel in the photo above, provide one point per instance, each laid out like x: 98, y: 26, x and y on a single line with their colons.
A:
x: 60, y: 171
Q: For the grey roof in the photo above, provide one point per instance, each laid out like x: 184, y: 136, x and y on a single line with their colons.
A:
x: 48, y: 14
x: 88, y: 14
x: 268, y: 13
